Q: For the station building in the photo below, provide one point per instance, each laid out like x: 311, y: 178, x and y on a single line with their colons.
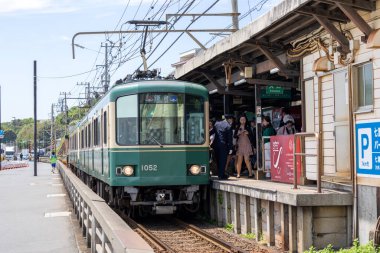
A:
x: 321, y: 59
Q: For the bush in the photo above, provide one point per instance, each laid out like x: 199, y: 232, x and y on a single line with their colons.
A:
x: 356, y: 248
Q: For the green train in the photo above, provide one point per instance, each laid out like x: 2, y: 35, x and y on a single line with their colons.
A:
x: 145, y: 146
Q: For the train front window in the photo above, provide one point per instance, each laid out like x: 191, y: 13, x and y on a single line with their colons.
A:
x: 164, y: 118
x: 161, y: 118
x: 126, y: 120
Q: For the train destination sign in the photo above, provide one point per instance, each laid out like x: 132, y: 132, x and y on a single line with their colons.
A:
x: 368, y: 148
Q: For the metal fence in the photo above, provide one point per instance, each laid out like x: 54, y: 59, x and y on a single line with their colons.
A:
x: 103, y: 230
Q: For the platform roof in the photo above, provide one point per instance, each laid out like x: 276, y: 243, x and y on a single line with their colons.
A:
x: 269, y: 35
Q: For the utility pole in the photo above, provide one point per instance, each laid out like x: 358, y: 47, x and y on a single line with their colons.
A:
x: 52, y: 135
x: 87, y: 91
x: 106, y: 84
x: 105, y: 76
x: 66, y: 110
x: 35, y: 117
x: 235, y: 18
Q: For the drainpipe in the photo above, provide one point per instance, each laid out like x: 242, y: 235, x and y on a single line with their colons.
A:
x: 320, y: 129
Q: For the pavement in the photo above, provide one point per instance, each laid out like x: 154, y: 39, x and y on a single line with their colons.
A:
x: 35, y: 212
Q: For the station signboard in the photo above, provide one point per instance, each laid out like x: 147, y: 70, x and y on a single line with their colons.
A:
x: 368, y: 148
x: 1, y: 134
x: 281, y: 150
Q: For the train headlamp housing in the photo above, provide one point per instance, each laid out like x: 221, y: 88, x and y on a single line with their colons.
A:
x: 195, y: 169
x: 128, y: 170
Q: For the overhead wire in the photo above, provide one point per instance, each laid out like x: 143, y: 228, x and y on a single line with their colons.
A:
x: 194, y: 20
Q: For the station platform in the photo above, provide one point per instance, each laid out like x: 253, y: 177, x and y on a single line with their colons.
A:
x: 290, y: 219
x: 35, y: 213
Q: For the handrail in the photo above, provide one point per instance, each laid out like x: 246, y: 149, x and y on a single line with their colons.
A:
x: 263, y: 152
x: 316, y: 136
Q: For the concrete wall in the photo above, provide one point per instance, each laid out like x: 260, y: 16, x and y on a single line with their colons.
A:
x: 293, y: 228
x: 367, y: 210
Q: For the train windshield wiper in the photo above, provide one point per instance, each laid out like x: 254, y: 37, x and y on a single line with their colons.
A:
x: 156, y: 141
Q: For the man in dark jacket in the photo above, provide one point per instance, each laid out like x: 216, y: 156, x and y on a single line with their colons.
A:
x: 222, y: 144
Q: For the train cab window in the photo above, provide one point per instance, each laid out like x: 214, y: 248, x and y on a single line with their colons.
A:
x: 162, y: 118
x: 126, y: 120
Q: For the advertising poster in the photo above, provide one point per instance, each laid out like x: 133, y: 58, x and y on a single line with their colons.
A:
x: 281, y: 147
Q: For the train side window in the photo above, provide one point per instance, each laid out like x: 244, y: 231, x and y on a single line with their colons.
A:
x: 105, y: 128
x: 195, y: 132
x: 126, y: 120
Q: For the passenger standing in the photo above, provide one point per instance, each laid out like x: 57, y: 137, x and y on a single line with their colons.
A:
x: 231, y: 120
x: 244, y: 137
x: 288, y: 128
x: 222, y: 144
x: 53, y: 161
x: 268, y: 130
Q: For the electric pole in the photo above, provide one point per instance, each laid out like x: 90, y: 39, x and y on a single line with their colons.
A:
x: 52, y: 132
x: 66, y: 109
x: 105, y: 77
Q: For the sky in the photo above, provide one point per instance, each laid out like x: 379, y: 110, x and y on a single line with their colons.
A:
x: 42, y: 30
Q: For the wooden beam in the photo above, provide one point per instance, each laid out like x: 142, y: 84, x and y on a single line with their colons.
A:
x: 221, y: 89
x: 283, y: 70
x: 365, y: 5
x: 290, y: 29
x: 334, y: 16
x: 253, y: 81
x: 355, y: 18
x: 338, y: 36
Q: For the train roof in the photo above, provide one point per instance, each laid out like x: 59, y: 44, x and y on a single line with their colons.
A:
x: 141, y: 86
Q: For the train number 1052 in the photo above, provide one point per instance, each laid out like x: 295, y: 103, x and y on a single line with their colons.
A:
x: 149, y: 167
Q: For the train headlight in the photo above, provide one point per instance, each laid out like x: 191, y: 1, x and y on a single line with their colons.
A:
x: 195, y: 169
x: 128, y: 170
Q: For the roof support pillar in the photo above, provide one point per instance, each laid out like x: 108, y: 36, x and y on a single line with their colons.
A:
x: 338, y: 36
x: 356, y: 19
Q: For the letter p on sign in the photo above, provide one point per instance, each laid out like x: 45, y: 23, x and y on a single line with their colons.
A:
x: 365, y: 148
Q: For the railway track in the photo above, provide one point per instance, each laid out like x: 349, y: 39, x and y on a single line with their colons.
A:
x: 167, y: 234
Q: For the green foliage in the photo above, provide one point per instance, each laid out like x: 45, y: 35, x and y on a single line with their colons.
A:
x: 9, y: 136
x: 250, y: 236
x: 229, y: 227
x: 22, y: 130
x: 220, y: 198
x: 356, y: 248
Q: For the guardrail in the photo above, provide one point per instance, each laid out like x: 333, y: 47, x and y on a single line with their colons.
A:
x: 263, y: 138
x: 102, y: 228
x: 316, y: 136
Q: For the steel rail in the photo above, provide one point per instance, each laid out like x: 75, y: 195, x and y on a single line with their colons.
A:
x: 209, y: 237
x: 160, y: 245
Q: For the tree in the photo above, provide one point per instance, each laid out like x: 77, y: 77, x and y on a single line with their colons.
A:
x: 9, y: 136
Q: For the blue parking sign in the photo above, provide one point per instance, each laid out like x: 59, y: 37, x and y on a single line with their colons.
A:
x: 1, y: 134
x: 368, y: 148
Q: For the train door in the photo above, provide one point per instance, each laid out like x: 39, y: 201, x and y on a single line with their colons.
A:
x: 341, y: 124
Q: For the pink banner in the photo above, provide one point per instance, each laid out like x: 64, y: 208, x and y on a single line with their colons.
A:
x: 281, y: 150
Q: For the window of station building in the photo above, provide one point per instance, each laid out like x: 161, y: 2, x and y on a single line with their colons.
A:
x: 105, y: 127
x: 363, y: 77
